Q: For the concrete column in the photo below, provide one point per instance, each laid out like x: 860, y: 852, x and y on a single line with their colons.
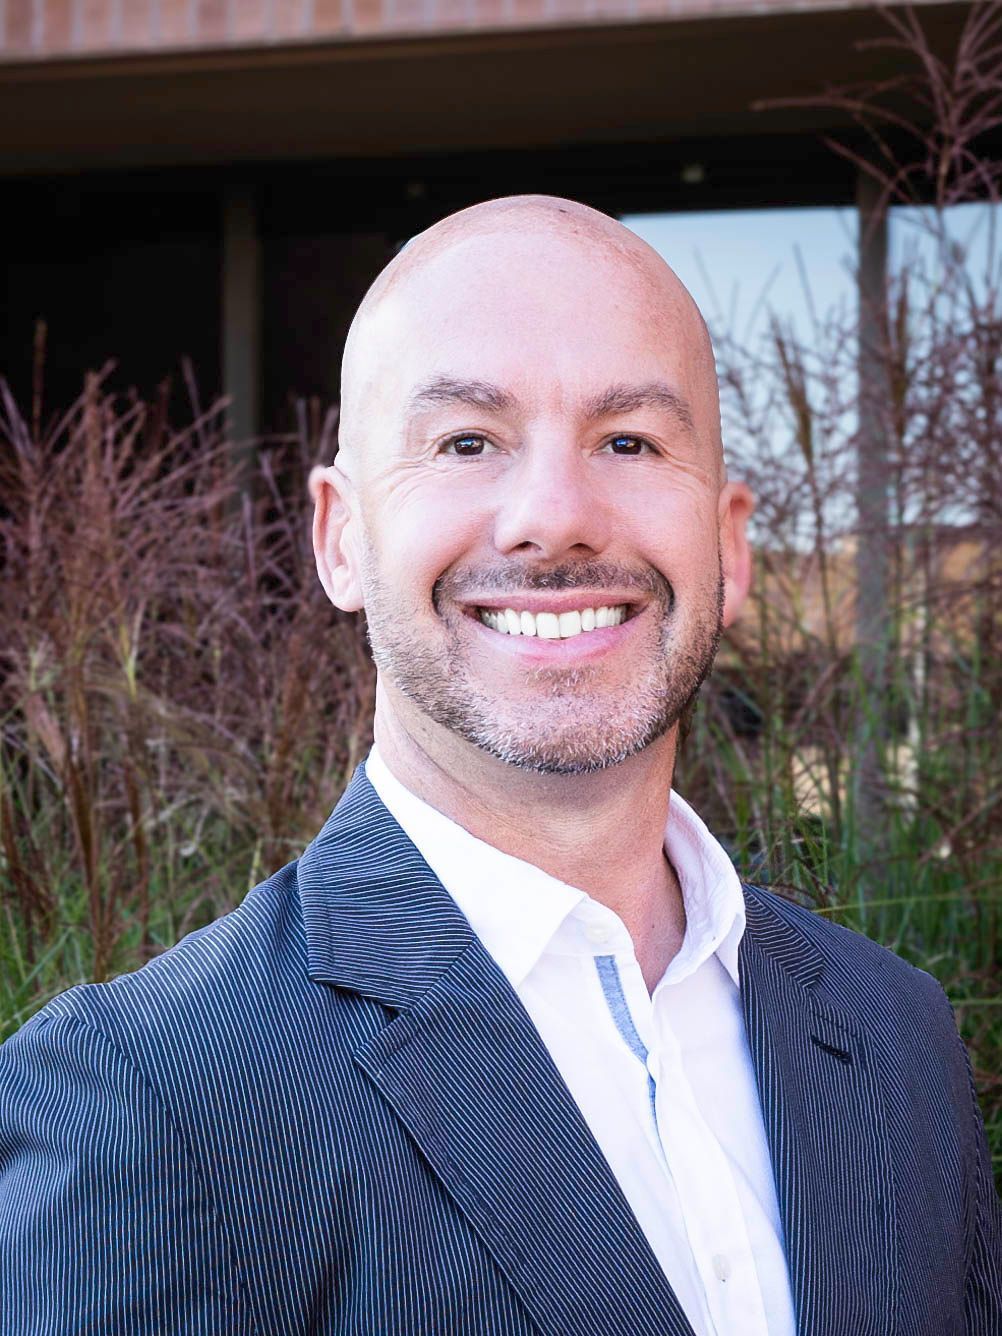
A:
x: 241, y: 315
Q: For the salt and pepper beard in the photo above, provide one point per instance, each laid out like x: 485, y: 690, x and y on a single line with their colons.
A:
x: 566, y: 730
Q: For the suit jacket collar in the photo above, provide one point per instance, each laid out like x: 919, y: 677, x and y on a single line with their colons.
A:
x: 466, y: 1072
x: 377, y: 919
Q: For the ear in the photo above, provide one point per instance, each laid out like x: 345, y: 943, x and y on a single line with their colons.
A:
x: 736, y: 506
x: 334, y: 536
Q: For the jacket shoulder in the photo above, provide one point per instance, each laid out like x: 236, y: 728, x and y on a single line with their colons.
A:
x: 903, y: 1011
x: 859, y: 971
x: 204, y: 988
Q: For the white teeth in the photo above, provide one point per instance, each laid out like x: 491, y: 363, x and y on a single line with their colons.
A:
x: 552, y: 625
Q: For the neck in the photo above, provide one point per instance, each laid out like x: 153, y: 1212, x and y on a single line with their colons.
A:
x: 602, y: 833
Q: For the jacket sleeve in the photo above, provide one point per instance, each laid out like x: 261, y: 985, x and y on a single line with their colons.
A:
x: 105, y: 1227
x: 983, y: 1293
x: 983, y: 1210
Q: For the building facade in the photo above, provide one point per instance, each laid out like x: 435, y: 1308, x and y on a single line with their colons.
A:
x: 219, y: 180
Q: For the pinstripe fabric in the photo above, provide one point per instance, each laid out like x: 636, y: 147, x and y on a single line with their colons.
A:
x: 328, y: 1112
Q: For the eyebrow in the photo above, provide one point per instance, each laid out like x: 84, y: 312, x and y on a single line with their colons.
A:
x: 630, y: 398
x: 473, y: 393
x: 616, y: 399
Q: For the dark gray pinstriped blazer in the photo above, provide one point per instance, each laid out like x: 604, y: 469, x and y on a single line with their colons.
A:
x: 328, y: 1112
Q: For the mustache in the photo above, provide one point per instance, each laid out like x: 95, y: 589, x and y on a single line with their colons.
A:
x: 516, y: 577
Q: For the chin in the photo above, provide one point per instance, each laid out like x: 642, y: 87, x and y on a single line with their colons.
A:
x: 571, y: 752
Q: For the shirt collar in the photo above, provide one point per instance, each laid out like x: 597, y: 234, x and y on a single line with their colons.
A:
x: 516, y: 909
x: 711, y: 893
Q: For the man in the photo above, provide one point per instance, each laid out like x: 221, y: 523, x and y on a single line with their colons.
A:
x: 509, y: 1050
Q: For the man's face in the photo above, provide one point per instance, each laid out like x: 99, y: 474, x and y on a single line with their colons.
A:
x: 537, y: 532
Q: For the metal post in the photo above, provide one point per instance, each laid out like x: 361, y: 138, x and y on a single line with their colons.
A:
x: 241, y: 315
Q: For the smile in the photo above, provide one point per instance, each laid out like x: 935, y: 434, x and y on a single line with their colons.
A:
x: 552, y: 625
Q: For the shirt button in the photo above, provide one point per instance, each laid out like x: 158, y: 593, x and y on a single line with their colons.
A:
x: 597, y: 933
x: 721, y: 1266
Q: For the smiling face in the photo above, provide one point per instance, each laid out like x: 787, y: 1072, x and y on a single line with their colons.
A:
x: 533, y: 517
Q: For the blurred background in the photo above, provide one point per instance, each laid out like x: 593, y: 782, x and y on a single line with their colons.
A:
x: 194, y: 196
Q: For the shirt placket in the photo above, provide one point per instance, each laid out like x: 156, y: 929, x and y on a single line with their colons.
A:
x: 692, y: 1157
x: 715, y: 1222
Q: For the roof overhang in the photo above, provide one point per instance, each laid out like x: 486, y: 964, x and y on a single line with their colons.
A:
x: 655, y: 81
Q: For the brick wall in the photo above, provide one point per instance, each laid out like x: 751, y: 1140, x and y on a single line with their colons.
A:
x: 39, y: 29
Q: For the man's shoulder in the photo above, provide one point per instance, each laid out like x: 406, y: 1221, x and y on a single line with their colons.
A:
x: 204, y: 989
x: 857, y: 971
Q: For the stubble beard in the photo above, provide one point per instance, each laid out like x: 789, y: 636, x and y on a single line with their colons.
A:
x: 568, y: 723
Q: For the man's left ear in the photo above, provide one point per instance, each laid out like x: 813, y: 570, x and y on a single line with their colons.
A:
x: 736, y: 506
x: 334, y: 535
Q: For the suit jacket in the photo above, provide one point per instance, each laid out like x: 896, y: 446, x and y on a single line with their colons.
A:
x: 328, y: 1112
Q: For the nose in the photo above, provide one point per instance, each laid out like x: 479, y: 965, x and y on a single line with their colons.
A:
x: 552, y: 506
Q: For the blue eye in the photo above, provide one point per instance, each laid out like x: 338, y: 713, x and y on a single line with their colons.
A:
x: 466, y: 445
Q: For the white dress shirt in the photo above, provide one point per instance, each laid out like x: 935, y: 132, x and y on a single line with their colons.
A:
x: 664, y: 1081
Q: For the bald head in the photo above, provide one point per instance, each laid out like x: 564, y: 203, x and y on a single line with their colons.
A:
x: 530, y: 429
x: 510, y: 257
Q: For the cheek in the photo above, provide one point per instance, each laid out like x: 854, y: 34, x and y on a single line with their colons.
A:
x: 420, y: 536
x: 676, y: 532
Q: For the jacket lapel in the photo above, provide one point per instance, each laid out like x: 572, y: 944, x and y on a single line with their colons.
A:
x: 465, y: 1071
x: 825, y: 1119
